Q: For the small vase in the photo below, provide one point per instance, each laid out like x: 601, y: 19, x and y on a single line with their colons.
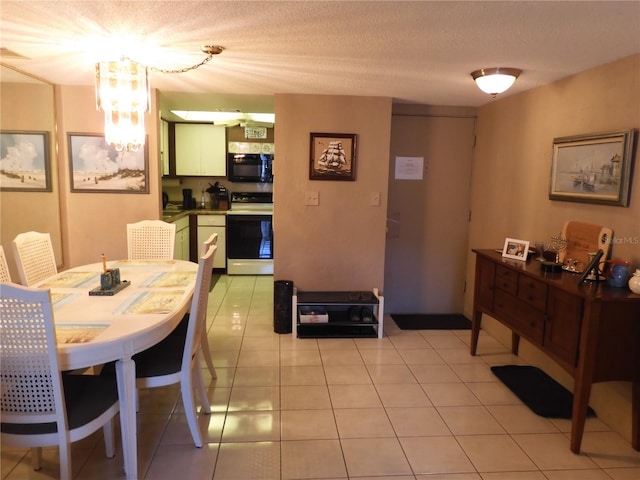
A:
x: 634, y: 282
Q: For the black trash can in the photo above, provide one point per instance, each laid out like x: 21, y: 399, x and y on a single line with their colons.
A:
x: 282, y: 296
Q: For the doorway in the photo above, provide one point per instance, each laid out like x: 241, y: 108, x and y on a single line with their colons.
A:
x: 428, y: 218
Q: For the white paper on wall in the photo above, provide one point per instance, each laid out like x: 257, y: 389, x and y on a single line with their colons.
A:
x: 409, y: 168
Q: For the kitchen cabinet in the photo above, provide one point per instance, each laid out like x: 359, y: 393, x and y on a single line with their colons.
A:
x: 200, y: 150
x: 182, y: 239
x: 590, y: 330
x: 337, y: 314
x: 208, y: 225
x: 164, y: 146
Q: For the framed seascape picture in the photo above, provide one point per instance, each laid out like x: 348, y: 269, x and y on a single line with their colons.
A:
x: 333, y: 156
x: 515, y: 249
x: 98, y: 167
x: 593, y: 168
x: 24, y: 161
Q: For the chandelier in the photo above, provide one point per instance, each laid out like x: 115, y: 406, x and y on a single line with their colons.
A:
x: 123, y: 93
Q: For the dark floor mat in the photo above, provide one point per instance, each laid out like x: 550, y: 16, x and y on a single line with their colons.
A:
x: 541, y: 393
x: 422, y: 321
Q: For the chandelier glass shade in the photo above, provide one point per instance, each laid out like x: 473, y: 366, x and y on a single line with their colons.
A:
x: 495, y: 80
x: 123, y: 94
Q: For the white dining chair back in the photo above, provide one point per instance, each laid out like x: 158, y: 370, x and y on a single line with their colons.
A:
x: 167, y: 364
x: 206, y: 351
x: 5, y: 275
x: 33, y: 252
x: 212, y: 240
x: 151, y: 240
x: 39, y: 406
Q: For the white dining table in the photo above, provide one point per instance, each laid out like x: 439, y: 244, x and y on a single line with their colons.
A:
x: 96, y: 329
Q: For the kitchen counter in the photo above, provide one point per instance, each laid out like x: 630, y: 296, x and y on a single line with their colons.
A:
x: 173, y: 215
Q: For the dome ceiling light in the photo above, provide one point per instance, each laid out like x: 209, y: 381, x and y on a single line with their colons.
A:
x: 495, y: 80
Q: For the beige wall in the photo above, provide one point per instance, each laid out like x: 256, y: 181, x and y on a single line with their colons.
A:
x: 95, y: 223
x: 510, y: 181
x: 30, y: 107
x: 339, y: 244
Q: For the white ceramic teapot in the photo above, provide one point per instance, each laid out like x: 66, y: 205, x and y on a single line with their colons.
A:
x: 634, y: 282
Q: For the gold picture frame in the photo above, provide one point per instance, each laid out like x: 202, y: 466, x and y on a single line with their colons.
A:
x: 594, y: 168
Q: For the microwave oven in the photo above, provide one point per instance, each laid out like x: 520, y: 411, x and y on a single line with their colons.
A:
x: 250, y: 167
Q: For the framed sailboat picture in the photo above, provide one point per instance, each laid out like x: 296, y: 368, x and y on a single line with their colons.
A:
x: 333, y: 156
x: 593, y: 168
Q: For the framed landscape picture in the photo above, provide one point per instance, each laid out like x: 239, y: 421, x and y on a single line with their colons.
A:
x: 98, y: 167
x: 24, y: 161
x: 333, y: 156
x: 593, y: 168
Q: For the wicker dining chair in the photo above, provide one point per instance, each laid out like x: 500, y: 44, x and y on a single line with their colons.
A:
x: 33, y: 252
x: 176, y: 359
x: 41, y: 407
x: 5, y: 275
x: 212, y: 240
x: 151, y: 240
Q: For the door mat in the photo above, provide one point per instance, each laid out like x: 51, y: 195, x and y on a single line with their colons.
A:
x: 541, y: 393
x: 423, y: 321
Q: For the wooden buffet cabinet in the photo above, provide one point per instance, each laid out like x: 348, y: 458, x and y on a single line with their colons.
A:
x: 592, y: 330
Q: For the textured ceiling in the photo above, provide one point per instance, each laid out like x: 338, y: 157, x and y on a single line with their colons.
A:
x: 416, y: 52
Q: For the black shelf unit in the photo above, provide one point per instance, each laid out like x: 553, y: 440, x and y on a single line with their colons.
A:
x: 337, y: 305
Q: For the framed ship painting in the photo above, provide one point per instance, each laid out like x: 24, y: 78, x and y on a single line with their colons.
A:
x: 24, y: 161
x: 97, y: 167
x: 333, y: 156
x: 593, y: 168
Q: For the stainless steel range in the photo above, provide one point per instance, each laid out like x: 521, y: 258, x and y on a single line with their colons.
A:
x: 250, y: 234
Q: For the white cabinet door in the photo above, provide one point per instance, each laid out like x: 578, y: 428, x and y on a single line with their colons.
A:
x: 181, y: 251
x: 207, y: 225
x: 184, y: 253
x: 200, y: 150
x: 164, y: 146
x: 220, y: 260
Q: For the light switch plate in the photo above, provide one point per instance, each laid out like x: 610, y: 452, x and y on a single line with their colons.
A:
x: 311, y: 198
x: 374, y: 199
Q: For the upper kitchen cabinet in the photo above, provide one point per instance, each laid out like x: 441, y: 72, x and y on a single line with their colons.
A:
x: 200, y: 150
x: 164, y: 146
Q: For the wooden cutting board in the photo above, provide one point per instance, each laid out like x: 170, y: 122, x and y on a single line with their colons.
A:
x: 584, y: 238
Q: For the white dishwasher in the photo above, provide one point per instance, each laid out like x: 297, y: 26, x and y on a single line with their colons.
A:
x: 208, y: 225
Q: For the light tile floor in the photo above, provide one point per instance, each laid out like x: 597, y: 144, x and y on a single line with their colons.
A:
x: 411, y: 406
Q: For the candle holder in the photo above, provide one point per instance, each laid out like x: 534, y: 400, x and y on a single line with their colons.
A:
x: 109, y: 279
x: 115, y: 276
x: 558, y: 244
x: 106, y: 281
